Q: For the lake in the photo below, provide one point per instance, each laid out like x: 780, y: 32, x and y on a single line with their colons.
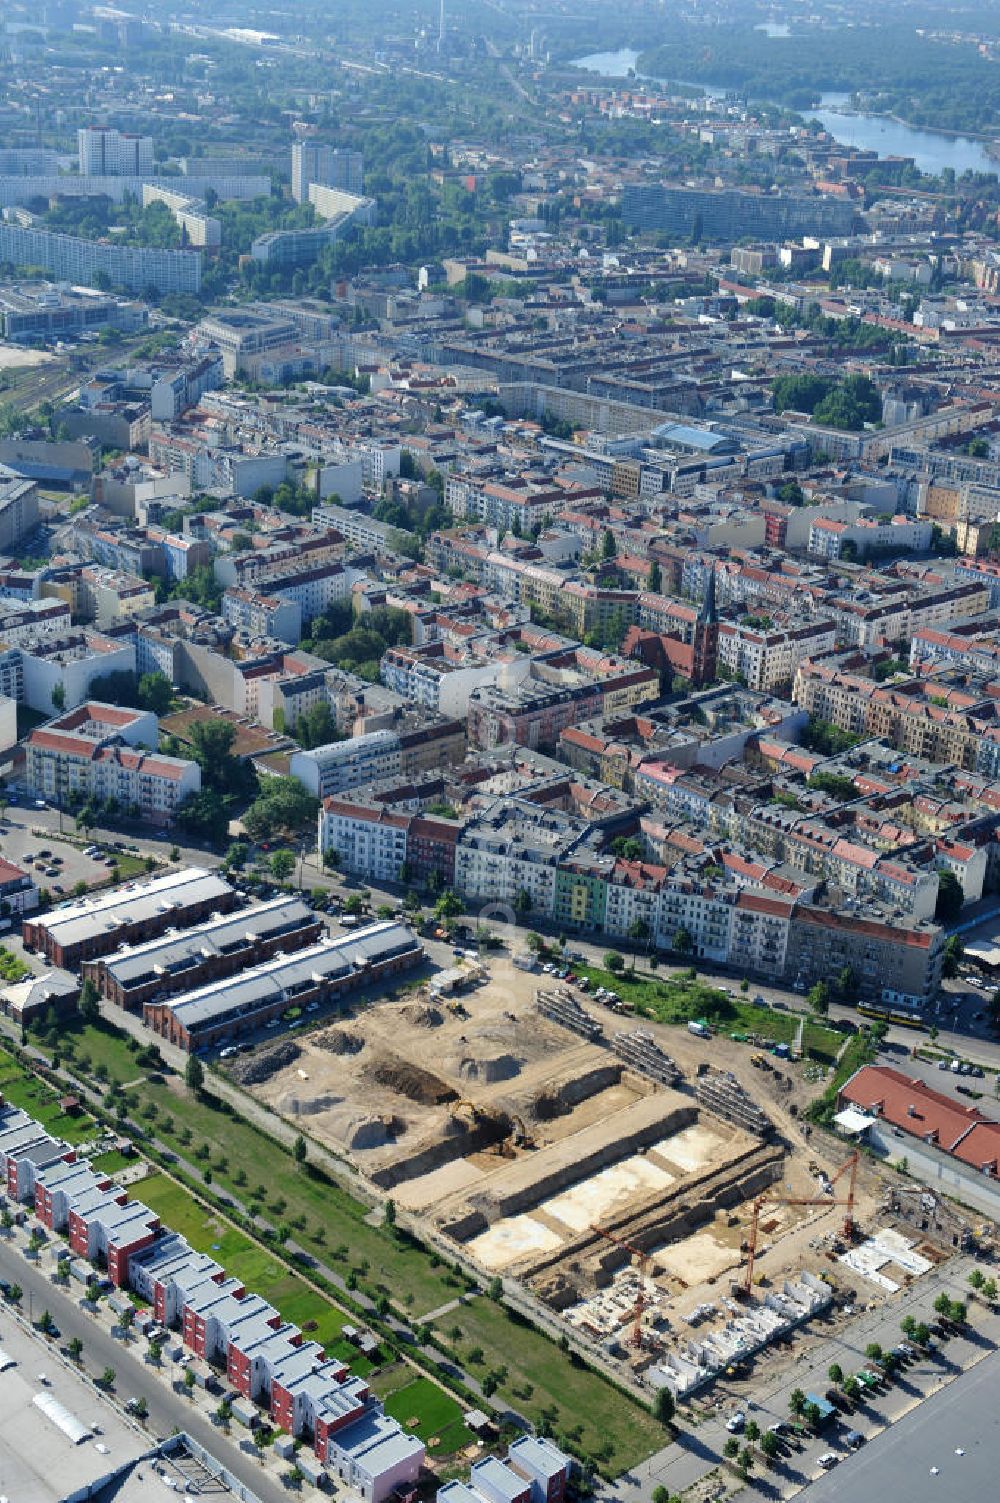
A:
x: 931, y: 150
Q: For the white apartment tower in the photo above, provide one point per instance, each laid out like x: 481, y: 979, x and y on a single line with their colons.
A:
x: 330, y: 166
x: 106, y: 152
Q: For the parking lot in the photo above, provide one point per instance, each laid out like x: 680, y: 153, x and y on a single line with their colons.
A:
x: 53, y: 863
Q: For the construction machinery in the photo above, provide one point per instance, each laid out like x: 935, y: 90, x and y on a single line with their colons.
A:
x: 827, y: 1198
x: 643, y: 1260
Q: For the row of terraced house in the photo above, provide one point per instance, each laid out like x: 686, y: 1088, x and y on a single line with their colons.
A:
x: 267, y: 1360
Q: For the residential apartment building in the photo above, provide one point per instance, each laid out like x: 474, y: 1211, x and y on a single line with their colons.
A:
x: 106, y: 152
x: 18, y: 510
x: 263, y: 615
x: 894, y: 959
x: 23, y: 620
x: 441, y: 678
x: 330, y: 166
x: 102, y: 752
x: 343, y: 765
x: 369, y: 840
x: 70, y: 258
x: 767, y: 658
x: 530, y: 713
x: 732, y: 214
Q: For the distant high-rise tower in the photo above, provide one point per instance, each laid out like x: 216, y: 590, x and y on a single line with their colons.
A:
x: 441, y: 28
x: 330, y: 166
x: 106, y: 152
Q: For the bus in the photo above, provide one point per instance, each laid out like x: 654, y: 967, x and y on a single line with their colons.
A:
x: 891, y: 1015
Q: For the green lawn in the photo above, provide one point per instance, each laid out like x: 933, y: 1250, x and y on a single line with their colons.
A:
x: 33, y: 1095
x: 112, y: 1162
x: 128, y: 867
x: 423, y: 1408
x: 101, y: 1046
x: 335, y: 1226
x: 252, y: 1264
x: 672, y: 998
x: 858, y: 1052
x: 586, y: 1414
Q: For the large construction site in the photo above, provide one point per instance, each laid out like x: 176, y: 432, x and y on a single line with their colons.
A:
x: 555, y: 1144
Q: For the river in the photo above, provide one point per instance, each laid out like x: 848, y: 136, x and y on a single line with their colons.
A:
x: 931, y: 150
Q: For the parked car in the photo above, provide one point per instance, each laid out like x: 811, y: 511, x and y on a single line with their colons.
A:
x: 827, y: 1460
x: 736, y: 1422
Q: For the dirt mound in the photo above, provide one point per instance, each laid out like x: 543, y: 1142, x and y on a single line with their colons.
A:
x: 339, y: 1041
x: 409, y: 1080
x: 421, y: 1015
x: 561, y: 1096
x: 500, y: 1067
x: 253, y: 1069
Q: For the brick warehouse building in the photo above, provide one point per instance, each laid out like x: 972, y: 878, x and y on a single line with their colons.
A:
x: 226, y: 1010
x: 138, y: 911
x: 206, y: 952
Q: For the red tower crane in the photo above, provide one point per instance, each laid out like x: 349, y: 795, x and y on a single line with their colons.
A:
x: 849, y: 1166
x: 643, y: 1260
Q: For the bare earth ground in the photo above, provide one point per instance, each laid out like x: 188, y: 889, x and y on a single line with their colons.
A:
x: 407, y: 1077
x: 12, y: 357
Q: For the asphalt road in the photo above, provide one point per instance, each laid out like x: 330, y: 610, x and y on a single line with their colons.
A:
x: 960, y: 1030
x: 135, y: 1378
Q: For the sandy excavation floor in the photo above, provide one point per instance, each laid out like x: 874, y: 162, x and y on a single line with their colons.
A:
x: 397, y: 1075
x: 402, y: 1080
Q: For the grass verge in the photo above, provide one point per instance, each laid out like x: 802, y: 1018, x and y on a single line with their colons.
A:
x: 676, y: 998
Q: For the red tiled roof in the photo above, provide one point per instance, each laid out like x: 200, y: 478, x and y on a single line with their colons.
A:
x: 757, y: 903
x: 912, y: 1106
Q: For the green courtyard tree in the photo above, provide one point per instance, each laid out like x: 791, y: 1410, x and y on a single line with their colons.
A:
x: 283, y: 808
x: 664, y: 1407
x: 155, y: 693
x: 282, y: 865
x: 88, y: 1005
x: 950, y: 898
x: 449, y: 905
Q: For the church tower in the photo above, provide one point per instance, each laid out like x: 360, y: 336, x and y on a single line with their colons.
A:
x: 706, y: 636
